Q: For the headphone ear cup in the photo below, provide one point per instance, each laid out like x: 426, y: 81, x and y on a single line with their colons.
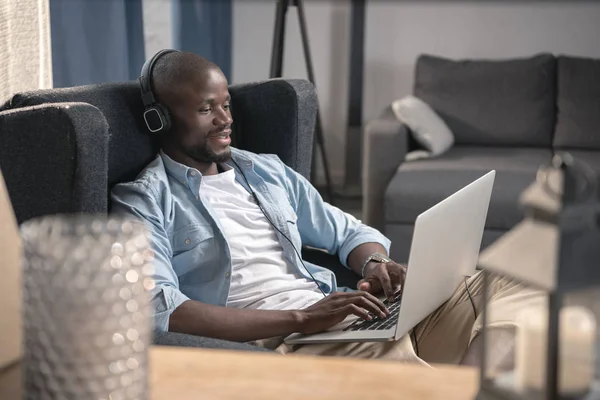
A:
x: 165, y: 117
x: 157, y: 118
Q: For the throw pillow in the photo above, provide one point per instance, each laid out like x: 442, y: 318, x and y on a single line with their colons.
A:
x: 427, y: 128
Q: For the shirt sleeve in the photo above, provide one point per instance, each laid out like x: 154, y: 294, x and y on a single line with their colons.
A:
x: 135, y: 199
x: 324, y: 226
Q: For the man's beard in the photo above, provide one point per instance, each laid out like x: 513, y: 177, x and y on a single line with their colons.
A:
x: 204, y: 154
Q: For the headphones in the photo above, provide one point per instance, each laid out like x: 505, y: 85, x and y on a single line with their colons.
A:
x: 156, y: 115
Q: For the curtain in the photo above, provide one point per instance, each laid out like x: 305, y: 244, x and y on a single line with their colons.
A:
x: 25, y: 57
x: 204, y: 27
x: 95, y: 41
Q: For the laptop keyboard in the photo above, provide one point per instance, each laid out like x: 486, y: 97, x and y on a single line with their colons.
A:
x: 377, y: 323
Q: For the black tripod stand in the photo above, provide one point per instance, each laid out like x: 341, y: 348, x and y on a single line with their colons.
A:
x: 277, y: 71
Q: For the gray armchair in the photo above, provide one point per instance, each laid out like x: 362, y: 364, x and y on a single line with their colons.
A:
x: 62, y: 150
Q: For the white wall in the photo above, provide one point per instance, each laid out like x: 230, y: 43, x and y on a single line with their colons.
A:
x: 396, y: 33
x: 158, y: 27
x: 328, y: 26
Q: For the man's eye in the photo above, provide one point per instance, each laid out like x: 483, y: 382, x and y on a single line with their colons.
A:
x: 226, y: 106
x: 205, y: 110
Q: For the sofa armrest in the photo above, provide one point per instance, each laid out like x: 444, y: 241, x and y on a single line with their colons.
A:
x: 54, y: 159
x: 276, y: 116
x: 386, y: 142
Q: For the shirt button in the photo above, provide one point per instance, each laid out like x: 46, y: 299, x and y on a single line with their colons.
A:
x: 188, y: 241
x: 227, y: 275
x: 193, y: 173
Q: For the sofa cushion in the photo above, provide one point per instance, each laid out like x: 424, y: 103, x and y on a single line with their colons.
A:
x: 578, y: 118
x: 421, y: 184
x: 491, y: 102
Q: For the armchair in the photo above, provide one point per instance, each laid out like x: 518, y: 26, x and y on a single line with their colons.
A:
x: 63, y: 150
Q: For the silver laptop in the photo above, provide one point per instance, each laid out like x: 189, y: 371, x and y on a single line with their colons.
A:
x: 444, y: 249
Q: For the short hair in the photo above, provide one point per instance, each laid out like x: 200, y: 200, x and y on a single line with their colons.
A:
x: 173, y: 69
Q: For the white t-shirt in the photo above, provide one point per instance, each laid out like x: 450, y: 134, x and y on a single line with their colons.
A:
x: 260, y: 278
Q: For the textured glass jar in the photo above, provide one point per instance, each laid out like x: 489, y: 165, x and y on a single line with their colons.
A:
x: 87, y: 317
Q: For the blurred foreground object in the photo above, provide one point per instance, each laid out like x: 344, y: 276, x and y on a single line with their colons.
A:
x: 10, y: 271
x: 87, y: 315
x: 555, y: 252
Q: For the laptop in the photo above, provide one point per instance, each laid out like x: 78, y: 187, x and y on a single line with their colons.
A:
x: 444, y: 249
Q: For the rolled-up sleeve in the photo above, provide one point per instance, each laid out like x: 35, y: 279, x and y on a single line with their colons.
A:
x: 138, y: 200
x: 326, y: 227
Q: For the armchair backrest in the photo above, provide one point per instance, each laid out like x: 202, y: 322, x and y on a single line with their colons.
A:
x: 275, y: 116
x: 129, y: 149
x: 54, y: 159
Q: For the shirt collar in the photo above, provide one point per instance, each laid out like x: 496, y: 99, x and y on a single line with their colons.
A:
x: 243, y: 161
x: 175, y: 169
x: 181, y: 172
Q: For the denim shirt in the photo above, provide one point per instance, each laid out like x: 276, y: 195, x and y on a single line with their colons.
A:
x: 191, y: 254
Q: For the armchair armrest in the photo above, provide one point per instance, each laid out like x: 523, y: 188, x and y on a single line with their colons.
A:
x: 276, y: 116
x: 54, y: 159
x: 185, y: 340
x: 386, y: 142
x: 344, y: 276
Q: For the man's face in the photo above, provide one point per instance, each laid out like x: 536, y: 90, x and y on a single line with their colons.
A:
x: 202, y: 118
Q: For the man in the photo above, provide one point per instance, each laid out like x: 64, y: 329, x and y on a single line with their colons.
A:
x: 228, y: 226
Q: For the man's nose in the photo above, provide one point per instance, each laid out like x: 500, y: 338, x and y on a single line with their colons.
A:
x: 222, y: 118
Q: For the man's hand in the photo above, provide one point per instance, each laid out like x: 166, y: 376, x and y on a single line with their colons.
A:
x: 334, y: 308
x: 386, y: 277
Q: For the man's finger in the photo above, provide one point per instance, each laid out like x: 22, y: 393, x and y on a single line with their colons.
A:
x: 397, y: 273
x: 364, y: 285
x: 374, y: 307
x: 386, y: 284
x: 359, y: 297
x: 370, y: 284
x: 396, y: 277
x: 354, y: 309
x: 396, y: 283
x: 376, y: 301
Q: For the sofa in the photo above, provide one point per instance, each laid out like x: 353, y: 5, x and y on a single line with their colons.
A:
x: 62, y: 151
x: 510, y: 115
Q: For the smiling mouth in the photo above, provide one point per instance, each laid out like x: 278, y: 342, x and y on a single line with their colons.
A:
x: 225, y: 133
x: 222, y: 137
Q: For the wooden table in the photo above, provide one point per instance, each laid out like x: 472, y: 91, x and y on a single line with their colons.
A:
x: 184, y: 373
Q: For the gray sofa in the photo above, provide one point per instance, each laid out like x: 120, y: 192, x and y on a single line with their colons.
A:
x: 507, y: 115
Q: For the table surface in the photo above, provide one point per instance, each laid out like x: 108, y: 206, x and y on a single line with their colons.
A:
x: 185, y: 373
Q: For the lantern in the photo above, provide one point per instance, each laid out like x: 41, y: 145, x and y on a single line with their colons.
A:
x: 553, y: 255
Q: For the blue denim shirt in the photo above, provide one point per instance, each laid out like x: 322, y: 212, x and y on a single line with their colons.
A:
x: 192, y: 256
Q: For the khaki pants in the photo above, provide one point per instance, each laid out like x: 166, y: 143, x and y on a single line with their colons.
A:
x: 443, y: 336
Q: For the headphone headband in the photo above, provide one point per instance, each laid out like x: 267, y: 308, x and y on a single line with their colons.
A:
x: 146, y: 77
